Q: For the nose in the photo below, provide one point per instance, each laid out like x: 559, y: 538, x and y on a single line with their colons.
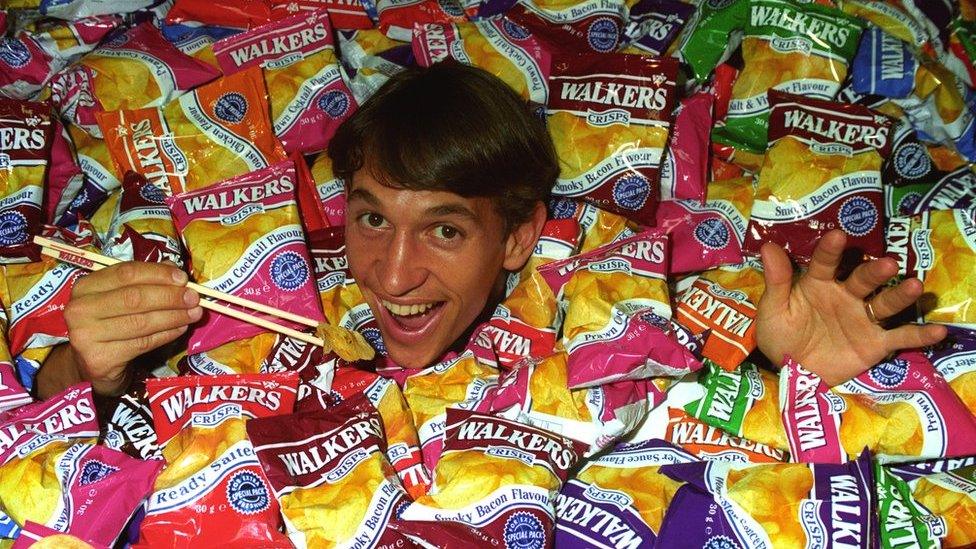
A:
x: 402, y: 267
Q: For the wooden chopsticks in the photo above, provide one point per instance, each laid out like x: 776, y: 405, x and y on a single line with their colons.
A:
x: 93, y: 262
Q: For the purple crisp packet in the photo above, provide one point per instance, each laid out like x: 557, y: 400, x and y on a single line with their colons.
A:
x: 654, y: 24
x: 832, y: 505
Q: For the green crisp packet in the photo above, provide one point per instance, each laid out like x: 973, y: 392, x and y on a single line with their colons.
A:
x: 707, y: 37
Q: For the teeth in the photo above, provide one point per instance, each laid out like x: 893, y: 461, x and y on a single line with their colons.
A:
x: 406, y: 310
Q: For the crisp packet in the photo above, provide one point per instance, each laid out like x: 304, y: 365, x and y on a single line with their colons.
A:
x: 129, y: 428
x: 902, y: 521
x: 653, y: 25
x: 142, y: 208
x: 610, y: 118
x: 744, y: 403
x: 577, y: 25
x: 899, y: 409
x: 270, y: 263
x: 343, y: 14
x: 64, y: 176
x: 800, y: 48
x: 599, y: 227
x: 499, y: 46
x: 712, y: 32
x: 707, y: 234
x: 822, y: 172
x: 239, y: 14
x: 955, y: 360
x: 213, y: 490
x: 25, y: 148
x: 537, y: 392
x: 216, y: 132
x: 890, y: 19
x: 771, y: 505
x: 949, y: 496
x: 330, y: 475
x: 960, y: 55
x: 134, y: 69
x: 684, y: 171
x: 370, y: 59
x: 34, y: 437
x: 910, y: 172
x: 396, y: 19
x: 884, y: 65
x: 331, y: 190
x: 96, y: 164
x: 498, y: 476
x: 308, y: 96
x: 240, y: 356
x: 459, y: 382
x: 12, y: 393
x: 713, y: 444
x: 939, y: 248
x: 618, y: 499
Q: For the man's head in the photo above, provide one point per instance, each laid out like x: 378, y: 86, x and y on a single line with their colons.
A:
x: 447, y: 174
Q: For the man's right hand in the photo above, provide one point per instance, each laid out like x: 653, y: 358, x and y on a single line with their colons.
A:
x: 119, y: 313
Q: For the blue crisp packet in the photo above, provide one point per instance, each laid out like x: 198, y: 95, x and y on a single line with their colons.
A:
x: 883, y: 66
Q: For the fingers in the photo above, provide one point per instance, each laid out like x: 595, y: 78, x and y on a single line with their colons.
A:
x: 94, y: 366
x: 894, y: 300
x: 913, y: 336
x: 868, y: 276
x: 777, y: 272
x: 131, y: 300
x: 827, y: 256
x: 129, y: 327
x: 129, y: 273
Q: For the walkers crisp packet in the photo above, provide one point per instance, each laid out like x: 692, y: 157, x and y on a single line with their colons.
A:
x: 244, y: 237
x: 25, y: 147
x: 610, y: 118
x: 216, y: 132
x: 213, y: 489
x: 713, y: 444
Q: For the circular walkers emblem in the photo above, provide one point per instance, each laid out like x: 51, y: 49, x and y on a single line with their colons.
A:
x: 514, y: 30
x: 152, y: 193
x: 524, y: 531
x: 289, y: 271
x: 94, y: 471
x: 908, y: 203
x: 712, y: 233
x: 79, y: 200
x: 631, y: 192
x: 375, y: 338
x: 857, y: 216
x: 603, y: 35
x: 451, y: 8
x: 13, y: 228
x: 562, y: 208
x: 231, y: 107
x: 14, y: 53
x: 334, y: 103
x: 247, y: 493
x: 912, y: 161
x: 720, y: 542
x: 890, y: 374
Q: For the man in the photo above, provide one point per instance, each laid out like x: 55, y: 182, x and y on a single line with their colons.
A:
x: 448, y: 173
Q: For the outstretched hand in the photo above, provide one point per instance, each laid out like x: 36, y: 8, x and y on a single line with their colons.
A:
x: 824, y: 324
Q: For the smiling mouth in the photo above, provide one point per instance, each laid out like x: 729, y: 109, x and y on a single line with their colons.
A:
x: 412, y: 318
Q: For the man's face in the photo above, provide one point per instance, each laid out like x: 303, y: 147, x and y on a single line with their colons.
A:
x: 427, y: 263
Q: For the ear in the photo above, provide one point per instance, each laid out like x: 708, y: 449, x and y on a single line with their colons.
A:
x: 523, y: 238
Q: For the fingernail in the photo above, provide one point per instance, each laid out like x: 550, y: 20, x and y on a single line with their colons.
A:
x: 195, y: 314
x: 190, y: 297
x: 180, y: 277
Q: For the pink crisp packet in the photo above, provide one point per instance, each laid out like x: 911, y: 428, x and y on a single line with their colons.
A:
x: 901, y: 410
x: 101, y: 489
x: 64, y: 176
x: 684, y: 172
x: 309, y: 98
x: 12, y: 394
x: 253, y: 217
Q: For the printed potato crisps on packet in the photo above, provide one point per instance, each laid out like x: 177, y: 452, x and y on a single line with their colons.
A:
x: 892, y: 19
x: 903, y: 521
x: 610, y: 117
x: 216, y: 132
x: 950, y: 496
x: 899, y: 409
x: 499, y: 46
x: 955, y: 359
x: 330, y: 475
x: 599, y: 227
x: 34, y: 438
x: 618, y: 499
x: 240, y: 356
x: 499, y: 476
x: 270, y: 262
x: 822, y: 172
x: 213, y: 490
x: 713, y: 444
x: 463, y: 382
x: 744, y: 403
x: 772, y: 505
x: 25, y: 147
x: 708, y: 234
x: 308, y: 96
x: 134, y: 69
x: 799, y: 48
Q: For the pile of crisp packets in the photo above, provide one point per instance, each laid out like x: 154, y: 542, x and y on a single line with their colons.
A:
x: 688, y: 133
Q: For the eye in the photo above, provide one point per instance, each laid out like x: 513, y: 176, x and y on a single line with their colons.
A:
x: 372, y: 220
x: 446, y: 232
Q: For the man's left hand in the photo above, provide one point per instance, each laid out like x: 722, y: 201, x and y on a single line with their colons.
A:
x: 825, y: 324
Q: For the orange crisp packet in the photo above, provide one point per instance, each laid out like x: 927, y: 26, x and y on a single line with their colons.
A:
x: 218, y: 131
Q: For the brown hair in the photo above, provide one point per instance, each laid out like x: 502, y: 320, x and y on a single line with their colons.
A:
x: 455, y: 128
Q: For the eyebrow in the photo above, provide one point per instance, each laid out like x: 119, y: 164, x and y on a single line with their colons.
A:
x: 363, y: 195
x: 451, y: 209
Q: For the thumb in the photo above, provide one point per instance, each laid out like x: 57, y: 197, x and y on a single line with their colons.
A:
x: 778, y: 274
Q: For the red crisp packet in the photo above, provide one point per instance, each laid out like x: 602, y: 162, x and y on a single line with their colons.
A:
x: 64, y: 176
x: 26, y: 132
x: 308, y: 96
x: 397, y: 19
x: 684, y: 172
x: 344, y: 14
x: 240, y: 14
x: 822, y: 171
x: 310, y: 208
x: 142, y: 228
x: 213, y: 490
x: 330, y: 476
x: 584, y: 25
